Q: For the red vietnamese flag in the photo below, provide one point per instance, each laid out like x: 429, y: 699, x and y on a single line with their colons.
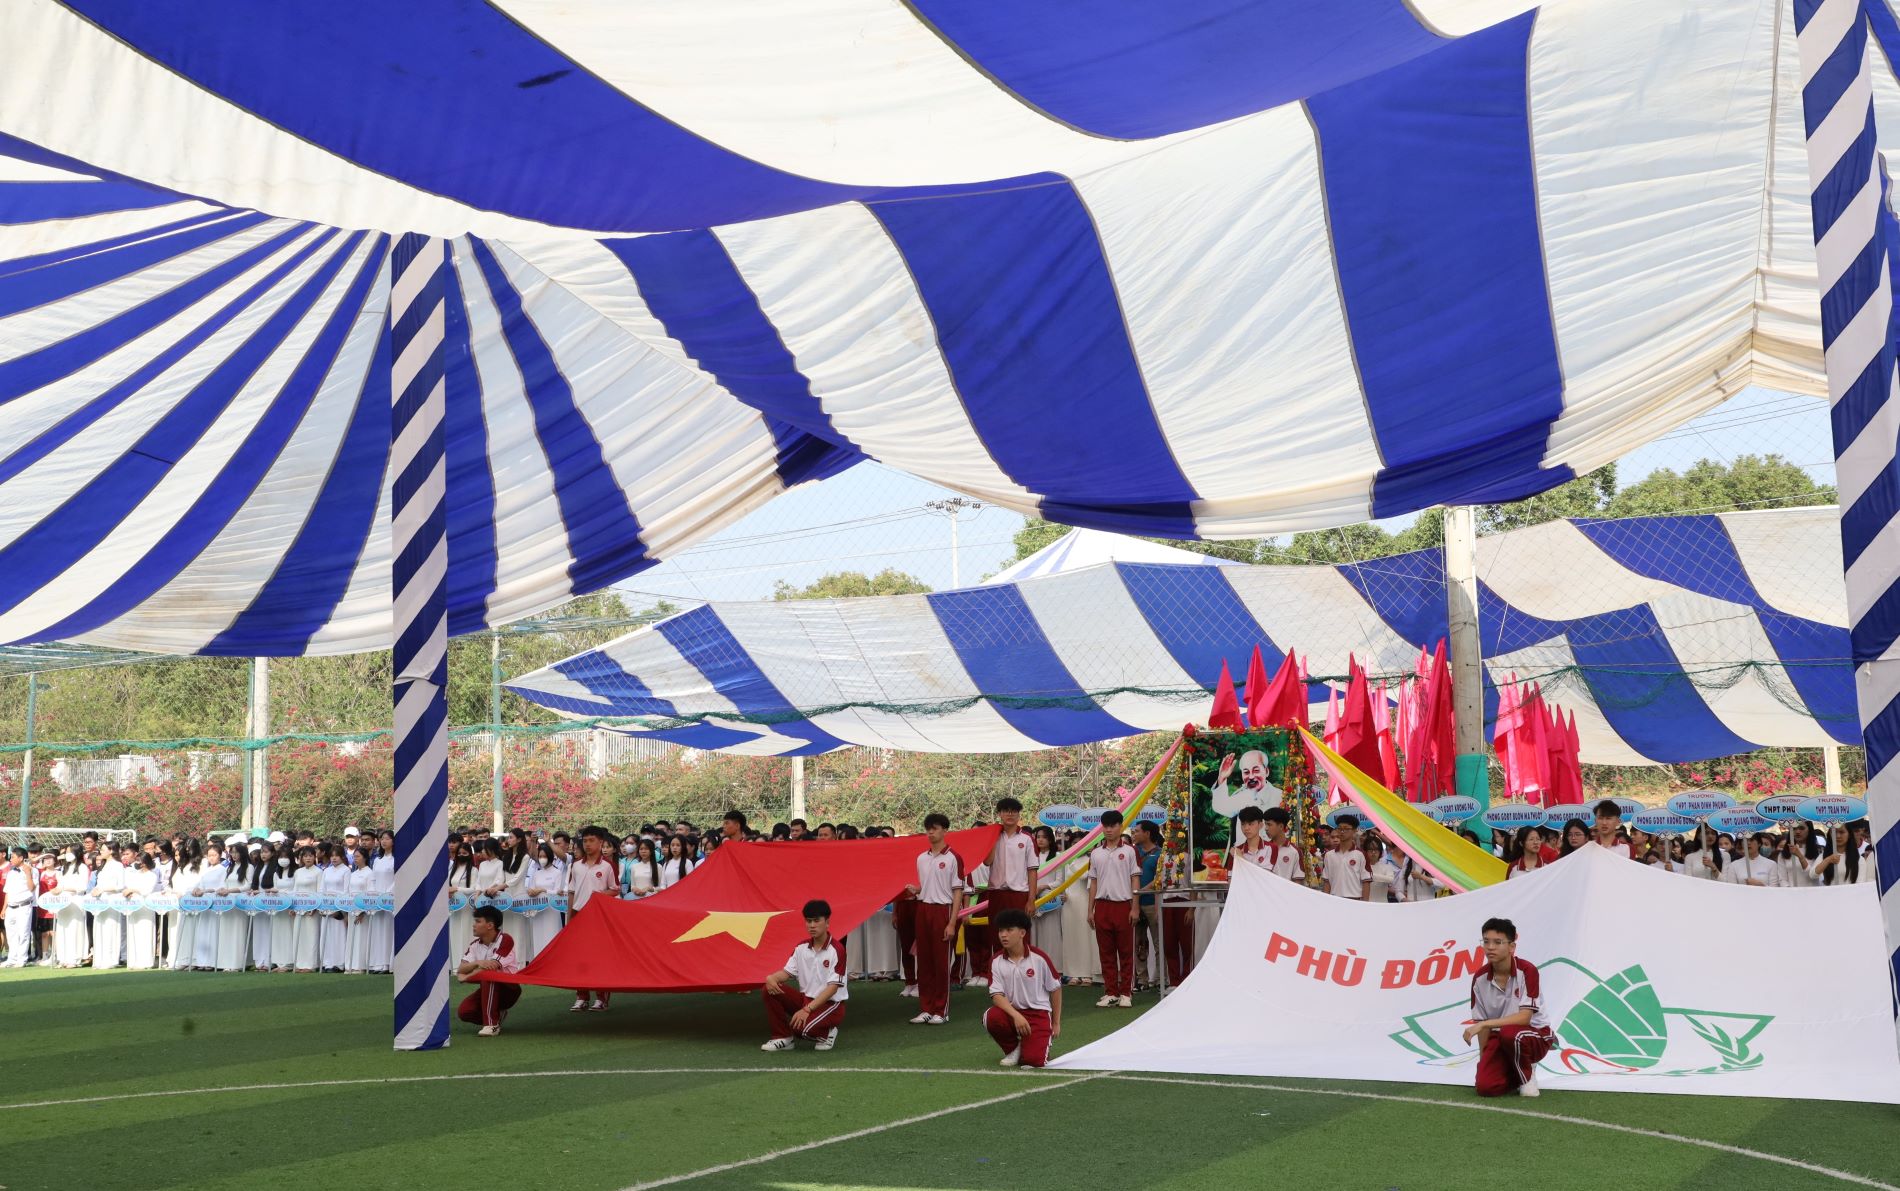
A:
x: 1256, y: 689
x: 1226, y: 710
x: 733, y: 921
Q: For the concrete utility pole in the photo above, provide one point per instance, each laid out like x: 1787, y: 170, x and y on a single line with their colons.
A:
x: 494, y: 720
x: 1831, y: 766
x: 953, y: 507
x: 26, y: 767
x: 1467, y: 658
x: 257, y: 760
x: 798, y: 788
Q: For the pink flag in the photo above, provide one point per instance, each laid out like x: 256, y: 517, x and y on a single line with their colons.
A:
x: 1331, y: 737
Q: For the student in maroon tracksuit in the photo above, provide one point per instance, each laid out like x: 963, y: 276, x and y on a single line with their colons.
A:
x: 490, y: 951
x: 904, y: 922
x: 1011, y: 869
x: 1114, y: 879
x: 815, y: 1009
x: 1025, y: 1013
x: 1507, y: 1016
x: 939, y: 893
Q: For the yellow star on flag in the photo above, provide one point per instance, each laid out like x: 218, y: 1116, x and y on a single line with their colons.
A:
x: 744, y: 925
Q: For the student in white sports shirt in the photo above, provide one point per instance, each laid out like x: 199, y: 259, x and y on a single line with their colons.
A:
x: 1275, y: 853
x: 1114, y: 880
x: 592, y: 873
x: 1609, y: 820
x: 1025, y: 1013
x: 1753, y: 868
x: 1343, y: 873
x: 815, y: 1009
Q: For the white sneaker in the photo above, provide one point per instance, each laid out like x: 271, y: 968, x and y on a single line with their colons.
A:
x: 579, y: 1005
x: 910, y: 990
x: 828, y: 1041
x: 488, y: 1031
x: 779, y: 1044
x: 1013, y: 1058
x: 597, y: 1007
x: 1105, y: 1002
x: 936, y: 1019
x: 1529, y: 1087
x: 1125, y: 1002
x: 920, y: 1019
x: 976, y: 982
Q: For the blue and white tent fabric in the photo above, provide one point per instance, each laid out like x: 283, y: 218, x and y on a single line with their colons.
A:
x: 1449, y: 251
x: 1672, y: 638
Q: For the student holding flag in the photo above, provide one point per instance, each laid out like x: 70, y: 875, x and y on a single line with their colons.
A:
x: 939, y: 893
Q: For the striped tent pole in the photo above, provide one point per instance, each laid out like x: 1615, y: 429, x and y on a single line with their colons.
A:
x: 1855, y: 236
x: 418, y: 266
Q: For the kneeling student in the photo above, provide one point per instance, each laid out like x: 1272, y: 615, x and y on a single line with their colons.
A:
x: 1508, y: 1025
x: 816, y: 1009
x: 1025, y: 1013
x: 491, y: 951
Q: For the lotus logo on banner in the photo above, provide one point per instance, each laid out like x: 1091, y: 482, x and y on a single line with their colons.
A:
x: 1780, y: 808
x: 1739, y: 820
x: 1511, y: 816
x: 1661, y: 821
x: 1697, y: 804
x: 1451, y: 808
x: 1832, y: 808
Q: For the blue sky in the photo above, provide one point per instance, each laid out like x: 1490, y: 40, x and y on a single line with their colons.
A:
x: 872, y: 516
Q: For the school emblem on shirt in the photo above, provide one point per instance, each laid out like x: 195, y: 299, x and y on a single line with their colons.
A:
x: 1029, y: 971
x: 941, y: 864
x: 825, y: 963
x: 1611, y: 1026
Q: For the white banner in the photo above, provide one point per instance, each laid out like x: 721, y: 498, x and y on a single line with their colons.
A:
x: 1653, y: 983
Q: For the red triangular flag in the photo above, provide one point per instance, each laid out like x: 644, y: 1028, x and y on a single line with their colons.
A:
x: 1256, y: 689
x: 1226, y: 710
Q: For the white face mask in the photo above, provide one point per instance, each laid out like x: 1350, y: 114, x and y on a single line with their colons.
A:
x: 283, y: 862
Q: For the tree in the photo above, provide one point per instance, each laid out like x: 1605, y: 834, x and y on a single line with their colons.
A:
x: 1752, y: 481
x: 840, y: 585
x: 1586, y: 496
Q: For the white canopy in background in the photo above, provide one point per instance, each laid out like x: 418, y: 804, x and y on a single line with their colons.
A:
x: 1082, y: 548
x: 1671, y: 638
x: 1634, y: 1010
x: 1187, y: 269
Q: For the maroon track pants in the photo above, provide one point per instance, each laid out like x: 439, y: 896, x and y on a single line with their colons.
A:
x: 1115, y: 940
x: 779, y: 1007
x: 488, y: 1004
x: 904, y: 922
x: 933, y: 958
x: 1509, y: 1058
x: 1035, y: 1047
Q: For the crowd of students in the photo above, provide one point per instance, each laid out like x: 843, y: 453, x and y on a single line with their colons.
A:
x: 1105, y: 930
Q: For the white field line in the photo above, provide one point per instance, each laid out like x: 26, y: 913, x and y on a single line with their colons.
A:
x: 774, y: 1155
x: 1465, y: 1105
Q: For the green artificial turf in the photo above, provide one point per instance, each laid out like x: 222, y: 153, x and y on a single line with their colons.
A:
x: 675, y: 1106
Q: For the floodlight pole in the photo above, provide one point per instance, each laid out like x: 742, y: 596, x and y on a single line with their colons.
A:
x: 26, y: 766
x: 1466, y: 652
x: 1854, y: 234
x: 952, y: 507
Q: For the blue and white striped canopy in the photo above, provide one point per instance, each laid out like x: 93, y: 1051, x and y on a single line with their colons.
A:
x: 1188, y: 269
x: 1672, y: 638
